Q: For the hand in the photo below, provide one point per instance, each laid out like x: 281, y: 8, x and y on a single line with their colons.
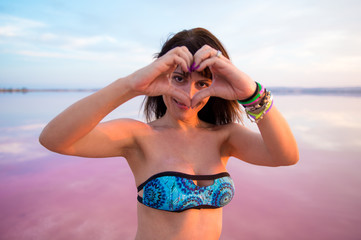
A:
x: 154, y: 79
x: 228, y: 82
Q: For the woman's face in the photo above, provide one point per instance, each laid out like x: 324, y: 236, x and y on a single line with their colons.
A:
x: 190, y: 83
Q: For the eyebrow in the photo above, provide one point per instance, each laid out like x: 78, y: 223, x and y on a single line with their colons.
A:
x: 187, y: 74
x: 207, y: 80
x: 181, y: 73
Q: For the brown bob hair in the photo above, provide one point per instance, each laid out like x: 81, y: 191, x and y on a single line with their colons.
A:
x: 217, y: 111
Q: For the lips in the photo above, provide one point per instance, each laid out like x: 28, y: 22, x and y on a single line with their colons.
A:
x: 180, y: 105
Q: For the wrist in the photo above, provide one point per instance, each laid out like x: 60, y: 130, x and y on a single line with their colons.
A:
x: 258, y: 104
x: 255, y: 97
x: 129, y: 85
x: 250, y: 92
x: 123, y: 88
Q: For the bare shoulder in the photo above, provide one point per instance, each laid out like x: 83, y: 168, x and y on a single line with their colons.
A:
x: 234, y: 128
x: 109, y: 139
x: 124, y: 124
x: 238, y: 139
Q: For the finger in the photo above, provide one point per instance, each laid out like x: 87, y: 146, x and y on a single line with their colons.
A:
x: 185, y: 54
x: 188, y: 55
x: 212, y: 63
x: 180, y: 95
x: 179, y: 61
x: 204, y: 53
x: 199, y: 96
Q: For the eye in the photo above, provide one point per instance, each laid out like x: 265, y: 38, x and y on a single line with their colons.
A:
x: 178, y: 78
x: 203, y: 84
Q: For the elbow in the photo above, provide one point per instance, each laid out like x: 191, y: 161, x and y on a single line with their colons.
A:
x: 295, y: 159
x: 53, y: 140
x: 288, y: 156
x: 288, y: 159
x: 294, y: 156
x: 49, y: 143
x: 45, y: 142
x: 42, y: 139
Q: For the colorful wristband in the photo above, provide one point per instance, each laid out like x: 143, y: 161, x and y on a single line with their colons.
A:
x: 259, y: 113
x: 255, y: 96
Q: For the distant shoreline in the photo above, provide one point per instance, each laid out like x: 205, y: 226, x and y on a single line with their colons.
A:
x: 347, y: 91
x: 29, y: 90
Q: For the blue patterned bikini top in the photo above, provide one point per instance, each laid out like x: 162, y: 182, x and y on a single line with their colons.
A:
x: 176, y: 192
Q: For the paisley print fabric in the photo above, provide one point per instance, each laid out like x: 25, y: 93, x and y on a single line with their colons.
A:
x: 176, y: 192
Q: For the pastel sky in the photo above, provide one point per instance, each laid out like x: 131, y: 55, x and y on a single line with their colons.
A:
x: 88, y: 44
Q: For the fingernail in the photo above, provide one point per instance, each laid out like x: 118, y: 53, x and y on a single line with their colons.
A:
x: 189, y: 69
x: 195, y: 68
x: 192, y: 67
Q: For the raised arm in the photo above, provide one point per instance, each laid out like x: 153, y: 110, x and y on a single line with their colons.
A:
x: 78, y: 131
x: 275, y: 146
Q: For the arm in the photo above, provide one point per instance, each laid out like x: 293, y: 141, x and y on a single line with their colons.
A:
x: 275, y: 146
x: 78, y: 131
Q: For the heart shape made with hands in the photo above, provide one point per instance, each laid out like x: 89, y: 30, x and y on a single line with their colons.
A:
x: 227, y: 86
x: 217, y: 88
x: 228, y: 82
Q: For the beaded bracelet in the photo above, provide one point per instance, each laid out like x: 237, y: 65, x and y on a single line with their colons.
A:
x: 258, y: 104
x: 258, y: 114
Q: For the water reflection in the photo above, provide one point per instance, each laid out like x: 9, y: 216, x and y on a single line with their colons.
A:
x: 44, y: 194
x: 325, y: 122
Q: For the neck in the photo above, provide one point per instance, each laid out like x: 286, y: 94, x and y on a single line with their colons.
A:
x: 184, y: 124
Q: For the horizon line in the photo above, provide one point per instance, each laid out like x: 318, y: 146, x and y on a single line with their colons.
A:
x: 349, y: 90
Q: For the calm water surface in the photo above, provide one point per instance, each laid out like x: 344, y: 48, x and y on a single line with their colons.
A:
x: 44, y: 195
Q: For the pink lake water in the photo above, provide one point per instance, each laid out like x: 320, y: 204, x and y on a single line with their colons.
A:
x: 44, y: 195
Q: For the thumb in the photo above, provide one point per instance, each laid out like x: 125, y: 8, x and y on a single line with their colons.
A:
x: 181, y: 96
x: 199, y: 96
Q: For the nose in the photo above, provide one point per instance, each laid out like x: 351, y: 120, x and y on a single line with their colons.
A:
x: 190, y: 89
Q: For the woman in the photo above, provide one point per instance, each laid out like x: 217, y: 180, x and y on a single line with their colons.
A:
x: 179, y: 157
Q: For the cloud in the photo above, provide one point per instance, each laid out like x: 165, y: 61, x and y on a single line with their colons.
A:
x: 22, y: 150
x: 9, y: 31
x: 300, y: 43
x: 27, y: 127
x: 13, y: 148
x: 82, y: 42
x: 46, y: 54
x: 304, y: 42
x: 35, y: 39
x: 325, y: 127
x: 340, y: 120
x: 20, y: 143
x: 30, y: 127
x: 12, y: 26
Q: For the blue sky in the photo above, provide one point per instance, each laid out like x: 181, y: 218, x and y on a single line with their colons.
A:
x: 88, y: 44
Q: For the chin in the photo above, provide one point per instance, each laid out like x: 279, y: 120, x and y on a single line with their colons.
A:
x: 180, y: 110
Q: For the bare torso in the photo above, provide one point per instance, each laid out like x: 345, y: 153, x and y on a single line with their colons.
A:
x: 196, y: 151
x: 190, y: 224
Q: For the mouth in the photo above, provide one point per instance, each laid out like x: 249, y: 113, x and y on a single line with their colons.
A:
x: 180, y: 105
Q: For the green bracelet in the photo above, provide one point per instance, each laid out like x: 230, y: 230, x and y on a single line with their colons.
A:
x: 254, y: 97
